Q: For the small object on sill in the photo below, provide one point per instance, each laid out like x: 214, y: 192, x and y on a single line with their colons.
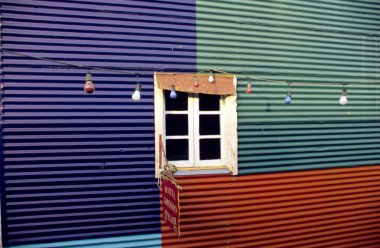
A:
x: 171, y: 168
x: 202, y: 172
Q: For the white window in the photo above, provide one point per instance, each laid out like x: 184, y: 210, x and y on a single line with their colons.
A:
x: 198, y: 131
x: 193, y: 130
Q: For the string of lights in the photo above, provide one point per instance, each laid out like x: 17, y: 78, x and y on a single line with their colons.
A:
x: 136, y: 96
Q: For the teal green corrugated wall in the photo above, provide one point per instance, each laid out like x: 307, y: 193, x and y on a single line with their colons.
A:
x: 315, y: 45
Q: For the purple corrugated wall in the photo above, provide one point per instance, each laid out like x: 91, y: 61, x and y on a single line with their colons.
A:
x: 80, y: 166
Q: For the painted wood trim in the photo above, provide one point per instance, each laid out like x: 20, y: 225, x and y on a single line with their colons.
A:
x: 158, y: 123
x: 230, y: 113
x: 232, y: 139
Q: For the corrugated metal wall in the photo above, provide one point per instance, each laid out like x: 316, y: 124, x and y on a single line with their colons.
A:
x: 323, y: 208
x: 81, y: 166
x: 131, y: 241
x: 319, y: 44
x: 321, y: 41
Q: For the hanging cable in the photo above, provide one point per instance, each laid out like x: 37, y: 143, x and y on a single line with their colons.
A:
x: 211, y: 71
x: 71, y: 64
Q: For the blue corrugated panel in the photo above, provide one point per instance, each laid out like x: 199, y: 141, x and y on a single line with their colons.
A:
x: 132, y: 241
x: 80, y: 166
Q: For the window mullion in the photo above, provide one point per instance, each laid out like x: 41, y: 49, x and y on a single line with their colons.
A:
x: 191, y: 130
x: 196, y: 128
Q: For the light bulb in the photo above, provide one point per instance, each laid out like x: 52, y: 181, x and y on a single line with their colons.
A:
x: 249, y: 88
x: 288, y: 98
x: 173, y: 94
x: 196, y: 83
x: 211, y: 78
x: 136, y: 96
x: 343, y: 99
x: 89, y: 85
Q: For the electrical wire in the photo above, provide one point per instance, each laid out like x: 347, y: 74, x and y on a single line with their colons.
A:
x: 97, y: 67
x: 103, y: 68
x: 159, y: 70
x: 71, y: 64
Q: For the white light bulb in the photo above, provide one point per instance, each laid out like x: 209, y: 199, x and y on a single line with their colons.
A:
x: 136, y: 96
x: 211, y: 79
x: 343, y: 100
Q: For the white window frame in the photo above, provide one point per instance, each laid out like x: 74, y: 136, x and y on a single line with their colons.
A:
x: 194, y: 135
x: 228, y: 130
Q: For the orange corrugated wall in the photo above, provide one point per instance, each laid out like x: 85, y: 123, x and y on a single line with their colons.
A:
x: 316, y: 208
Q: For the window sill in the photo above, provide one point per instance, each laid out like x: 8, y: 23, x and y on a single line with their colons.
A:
x: 201, y: 171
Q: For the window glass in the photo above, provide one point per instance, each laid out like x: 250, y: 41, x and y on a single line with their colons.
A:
x: 176, y: 124
x: 209, y: 102
x: 209, y: 149
x: 178, y: 104
x: 177, y: 149
x: 209, y: 124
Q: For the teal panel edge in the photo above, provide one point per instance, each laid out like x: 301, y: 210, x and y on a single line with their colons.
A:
x: 135, y: 241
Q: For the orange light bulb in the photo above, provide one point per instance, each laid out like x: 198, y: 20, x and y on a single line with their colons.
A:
x: 196, y: 83
x: 89, y: 85
x: 249, y: 88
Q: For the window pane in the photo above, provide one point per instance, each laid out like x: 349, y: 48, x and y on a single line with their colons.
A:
x: 176, y: 124
x: 209, y: 149
x: 209, y: 124
x: 177, y: 149
x: 179, y: 104
x: 209, y: 102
